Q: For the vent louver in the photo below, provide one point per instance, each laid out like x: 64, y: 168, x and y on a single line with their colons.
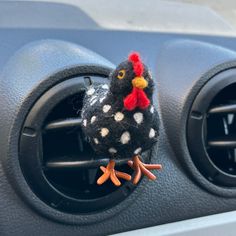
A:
x: 56, y: 159
x: 221, y: 130
x: 212, y: 131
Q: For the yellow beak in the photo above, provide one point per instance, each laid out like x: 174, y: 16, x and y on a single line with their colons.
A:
x: 139, y: 82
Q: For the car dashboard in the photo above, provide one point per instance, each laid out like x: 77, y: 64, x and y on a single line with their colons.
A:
x: 194, y: 74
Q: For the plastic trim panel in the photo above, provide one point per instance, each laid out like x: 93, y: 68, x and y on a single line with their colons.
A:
x: 220, y: 224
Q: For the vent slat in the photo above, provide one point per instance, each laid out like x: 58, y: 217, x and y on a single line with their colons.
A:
x: 223, y: 109
x: 54, y: 164
x: 222, y: 143
x: 62, y: 124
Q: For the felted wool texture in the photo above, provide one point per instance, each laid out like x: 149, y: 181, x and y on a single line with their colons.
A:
x: 112, y: 130
x: 121, y: 88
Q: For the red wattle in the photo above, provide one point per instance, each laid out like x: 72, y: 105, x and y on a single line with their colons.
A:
x: 143, y: 101
x: 131, y: 101
x: 137, y: 98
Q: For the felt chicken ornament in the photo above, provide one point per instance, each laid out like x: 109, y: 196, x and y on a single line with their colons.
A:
x: 120, y: 120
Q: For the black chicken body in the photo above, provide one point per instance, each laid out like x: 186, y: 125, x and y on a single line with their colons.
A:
x: 119, y: 128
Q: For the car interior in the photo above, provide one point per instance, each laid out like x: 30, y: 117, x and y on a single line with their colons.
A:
x: 52, y: 52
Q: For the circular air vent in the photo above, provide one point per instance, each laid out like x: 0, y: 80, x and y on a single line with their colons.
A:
x: 56, y: 159
x: 212, y: 130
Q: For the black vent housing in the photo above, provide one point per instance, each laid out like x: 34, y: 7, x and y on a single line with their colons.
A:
x: 57, y: 161
x: 211, y: 130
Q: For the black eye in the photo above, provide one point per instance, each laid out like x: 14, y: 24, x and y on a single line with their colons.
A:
x: 121, y: 74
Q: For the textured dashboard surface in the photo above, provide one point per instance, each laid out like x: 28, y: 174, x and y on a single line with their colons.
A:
x: 175, y: 195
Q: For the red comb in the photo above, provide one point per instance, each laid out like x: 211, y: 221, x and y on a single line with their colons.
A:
x: 134, y: 57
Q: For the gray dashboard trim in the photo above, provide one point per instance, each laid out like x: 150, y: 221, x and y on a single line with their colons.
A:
x: 220, y: 224
x: 167, y: 16
x: 177, y: 195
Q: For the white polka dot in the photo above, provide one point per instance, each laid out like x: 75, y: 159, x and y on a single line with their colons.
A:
x: 90, y: 91
x: 152, y: 133
x: 119, y: 116
x: 138, y: 117
x: 106, y: 108
x: 93, y: 119
x: 105, y: 86
x: 152, y: 109
x: 84, y: 123
x: 104, y: 132
x: 125, y: 137
x: 112, y: 150
x: 138, y: 150
x: 96, y: 141
x: 101, y: 99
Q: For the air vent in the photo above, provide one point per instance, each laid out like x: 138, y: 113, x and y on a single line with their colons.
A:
x: 221, y: 130
x: 56, y: 159
x: 212, y: 130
